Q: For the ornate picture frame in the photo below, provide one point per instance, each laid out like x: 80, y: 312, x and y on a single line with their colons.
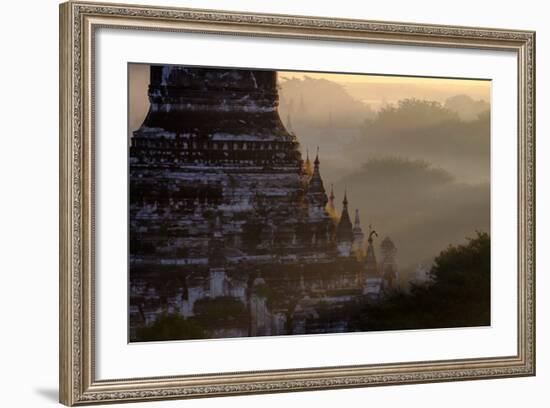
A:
x: 78, y: 24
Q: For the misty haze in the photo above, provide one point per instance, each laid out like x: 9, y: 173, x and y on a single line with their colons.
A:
x: 419, y: 167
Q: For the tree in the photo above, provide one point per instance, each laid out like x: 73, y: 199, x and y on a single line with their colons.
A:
x: 410, y: 113
x: 429, y: 131
x: 462, y: 283
x: 459, y: 294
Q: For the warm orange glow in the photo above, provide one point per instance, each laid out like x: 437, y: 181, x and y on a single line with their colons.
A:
x: 419, y: 87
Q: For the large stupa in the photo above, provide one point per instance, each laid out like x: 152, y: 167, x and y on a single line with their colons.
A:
x: 225, y: 215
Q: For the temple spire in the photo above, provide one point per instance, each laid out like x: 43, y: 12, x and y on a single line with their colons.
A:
x: 308, y: 170
x: 316, y: 195
x: 316, y: 162
x: 357, y: 222
x: 345, y: 202
x: 344, y: 218
x: 331, y: 208
x: 316, y: 183
x: 344, y: 231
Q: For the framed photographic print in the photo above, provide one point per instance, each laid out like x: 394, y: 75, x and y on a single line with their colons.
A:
x: 256, y: 203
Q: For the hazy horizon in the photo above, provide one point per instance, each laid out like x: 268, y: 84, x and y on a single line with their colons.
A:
x: 373, y: 91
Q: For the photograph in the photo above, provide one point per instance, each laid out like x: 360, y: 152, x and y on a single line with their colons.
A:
x: 265, y: 202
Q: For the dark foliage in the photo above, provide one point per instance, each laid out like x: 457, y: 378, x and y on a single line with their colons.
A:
x: 458, y: 296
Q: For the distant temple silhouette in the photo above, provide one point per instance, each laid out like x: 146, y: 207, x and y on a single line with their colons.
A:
x: 227, y: 218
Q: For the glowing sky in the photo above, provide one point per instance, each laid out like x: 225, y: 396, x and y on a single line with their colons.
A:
x: 374, y: 90
x: 377, y: 90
